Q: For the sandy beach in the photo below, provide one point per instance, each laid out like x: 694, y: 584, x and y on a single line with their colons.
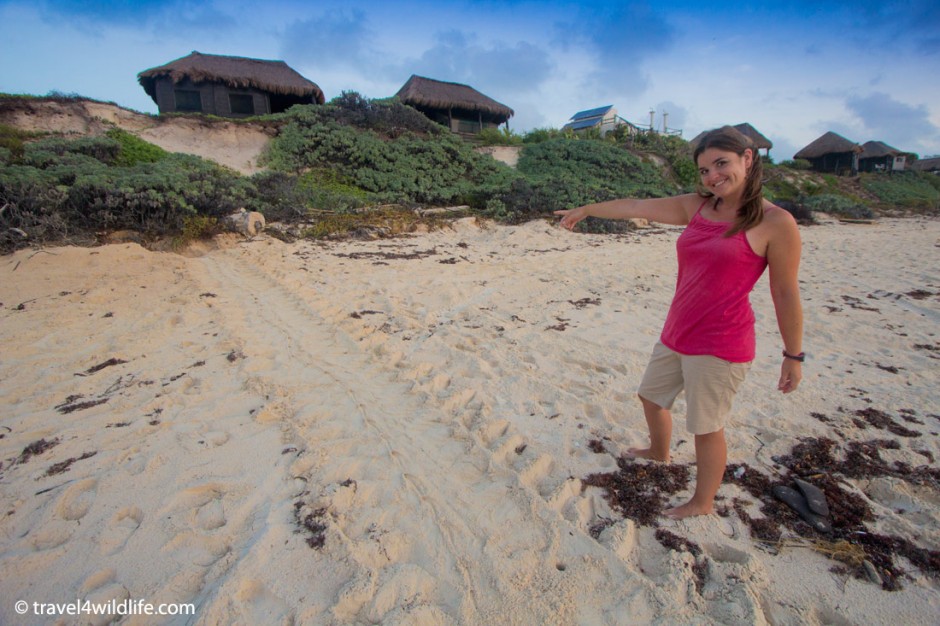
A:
x: 400, y: 431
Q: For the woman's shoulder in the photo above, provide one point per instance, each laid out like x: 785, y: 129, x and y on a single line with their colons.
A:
x: 692, y: 203
x: 777, y: 216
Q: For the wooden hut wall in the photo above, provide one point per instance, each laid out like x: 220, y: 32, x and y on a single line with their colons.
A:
x: 459, y: 120
x: 836, y: 162
x: 883, y: 163
x: 211, y: 99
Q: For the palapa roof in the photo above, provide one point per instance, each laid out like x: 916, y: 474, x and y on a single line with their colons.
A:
x: 931, y: 164
x: 830, y: 143
x: 875, y: 149
x: 760, y: 142
x: 437, y: 94
x: 751, y: 133
x: 236, y: 72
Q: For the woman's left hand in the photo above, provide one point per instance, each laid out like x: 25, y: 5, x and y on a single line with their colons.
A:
x: 791, y: 373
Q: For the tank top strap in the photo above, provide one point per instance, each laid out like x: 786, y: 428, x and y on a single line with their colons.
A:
x: 701, y: 206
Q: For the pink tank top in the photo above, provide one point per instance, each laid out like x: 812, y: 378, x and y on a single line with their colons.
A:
x: 711, y: 311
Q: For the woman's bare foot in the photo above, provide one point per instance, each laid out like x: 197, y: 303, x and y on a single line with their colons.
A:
x: 646, y: 453
x: 689, y: 509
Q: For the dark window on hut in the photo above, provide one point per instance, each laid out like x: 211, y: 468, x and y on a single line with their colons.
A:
x: 242, y: 104
x: 467, y: 126
x: 187, y: 100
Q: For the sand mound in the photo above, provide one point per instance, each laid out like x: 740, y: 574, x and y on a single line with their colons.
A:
x: 234, y: 144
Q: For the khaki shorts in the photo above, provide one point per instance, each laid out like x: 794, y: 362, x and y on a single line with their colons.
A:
x: 709, y: 383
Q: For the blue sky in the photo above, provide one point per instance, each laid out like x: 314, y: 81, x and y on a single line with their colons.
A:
x: 794, y: 69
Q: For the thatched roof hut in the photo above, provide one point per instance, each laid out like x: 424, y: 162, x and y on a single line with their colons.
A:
x: 832, y: 153
x: 877, y: 156
x: 931, y: 164
x: 227, y: 86
x: 461, y: 108
x: 760, y: 142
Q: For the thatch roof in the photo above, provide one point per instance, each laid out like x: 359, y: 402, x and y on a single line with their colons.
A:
x: 236, y: 72
x: 760, y: 142
x: 830, y: 143
x: 435, y: 94
x: 927, y: 165
x: 875, y: 149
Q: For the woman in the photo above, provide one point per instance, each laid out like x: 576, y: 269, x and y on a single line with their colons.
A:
x: 708, y: 342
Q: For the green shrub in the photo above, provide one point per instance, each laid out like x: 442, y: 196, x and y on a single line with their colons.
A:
x: 277, y: 196
x: 387, y: 117
x: 195, y: 228
x: 63, y: 194
x: 431, y: 168
x: 134, y: 150
x: 839, y: 206
x: 103, y: 149
x: 674, y: 149
x: 538, y: 135
x: 326, y: 190
x: 564, y: 173
x: 499, y: 137
x: 11, y: 140
x: 796, y: 164
x: 910, y: 190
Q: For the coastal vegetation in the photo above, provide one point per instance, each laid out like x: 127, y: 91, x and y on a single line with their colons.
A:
x: 358, y: 165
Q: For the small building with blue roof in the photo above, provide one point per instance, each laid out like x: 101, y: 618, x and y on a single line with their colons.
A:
x: 604, y: 119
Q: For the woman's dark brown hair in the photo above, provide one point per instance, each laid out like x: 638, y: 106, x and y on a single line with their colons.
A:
x: 729, y: 139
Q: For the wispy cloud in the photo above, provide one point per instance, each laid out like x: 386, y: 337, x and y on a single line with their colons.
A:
x: 460, y: 57
x: 337, y: 38
x: 619, y: 38
x: 887, y: 119
x: 901, y: 24
x: 95, y: 16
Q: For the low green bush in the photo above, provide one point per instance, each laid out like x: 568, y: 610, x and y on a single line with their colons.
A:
x: 839, y: 206
x: 432, y: 167
x: 499, y: 137
x: 46, y: 151
x: 134, y: 150
x: 11, y: 143
x: 62, y: 194
x: 796, y: 164
x: 563, y: 173
x: 909, y: 190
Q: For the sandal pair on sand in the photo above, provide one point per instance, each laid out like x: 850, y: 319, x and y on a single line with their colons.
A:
x: 809, y: 503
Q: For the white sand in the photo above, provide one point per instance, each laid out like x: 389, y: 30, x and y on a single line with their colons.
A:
x: 427, y: 414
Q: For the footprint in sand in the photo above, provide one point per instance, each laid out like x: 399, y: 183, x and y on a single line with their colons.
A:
x: 190, y: 548
x: 203, y: 504
x: 51, y: 535
x: 533, y: 474
x: 75, y: 502
x: 124, y: 523
x: 259, y: 605
x: 98, y: 580
x: 115, y: 592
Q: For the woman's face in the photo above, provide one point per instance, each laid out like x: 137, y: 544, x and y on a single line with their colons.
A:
x: 723, y: 172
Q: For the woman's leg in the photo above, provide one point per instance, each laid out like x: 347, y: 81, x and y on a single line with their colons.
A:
x: 659, y: 421
x: 711, y: 455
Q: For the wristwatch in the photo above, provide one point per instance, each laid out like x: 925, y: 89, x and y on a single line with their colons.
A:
x: 796, y: 357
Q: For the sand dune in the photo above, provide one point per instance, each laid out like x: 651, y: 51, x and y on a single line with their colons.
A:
x: 399, y: 431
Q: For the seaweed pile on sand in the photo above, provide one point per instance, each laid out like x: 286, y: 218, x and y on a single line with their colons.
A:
x: 640, y: 491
